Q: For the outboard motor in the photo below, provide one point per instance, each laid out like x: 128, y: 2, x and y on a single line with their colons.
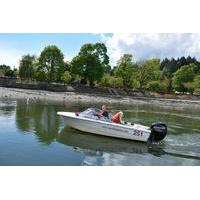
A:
x: 158, y: 132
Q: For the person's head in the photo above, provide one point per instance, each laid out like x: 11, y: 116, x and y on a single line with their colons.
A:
x: 104, y: 108
x: 121, y: 113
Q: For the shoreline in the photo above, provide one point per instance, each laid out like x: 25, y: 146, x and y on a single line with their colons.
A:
x: 78, y: 97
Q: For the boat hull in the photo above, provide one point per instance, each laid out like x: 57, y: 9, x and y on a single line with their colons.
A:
x: 131, y: 132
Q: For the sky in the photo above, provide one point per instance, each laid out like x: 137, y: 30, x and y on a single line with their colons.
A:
x: 140, y: 45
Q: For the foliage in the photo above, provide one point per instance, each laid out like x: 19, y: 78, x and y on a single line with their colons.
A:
x: 197, y: 91
x: 26, y: 67
x: 91, y: 65
x: 6, y: 70
x: 51, y: 64
x: 125, y: 70
x: 111, y: 81
x: 101, y: 51
x: 197, y: 81
x: 169, y: 67
x: 157, y: 86
x: 189, y: 87
x: 182, y: 76
x: 197, y: 85
x: 116, y: 82
x: 91, y: 62
x: 147, y: 71
x: 66, y: 77
x: 135, y: 83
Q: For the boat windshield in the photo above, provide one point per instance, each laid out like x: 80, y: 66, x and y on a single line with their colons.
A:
x: 92, y: 113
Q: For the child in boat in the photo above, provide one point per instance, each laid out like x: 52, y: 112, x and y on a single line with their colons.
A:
x: 104, y: 112
x: 117, y: 118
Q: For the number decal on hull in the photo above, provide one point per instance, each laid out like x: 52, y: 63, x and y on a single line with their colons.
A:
x: 137, y: 133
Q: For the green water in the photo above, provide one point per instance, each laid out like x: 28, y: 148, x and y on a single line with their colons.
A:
x: 32, y: 134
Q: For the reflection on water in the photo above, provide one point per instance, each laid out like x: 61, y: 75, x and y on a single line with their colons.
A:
x: 87, y: 141
x: 95, y: 146
x: 7, y: 108
x: 36, y: 136
x: 39, y: 119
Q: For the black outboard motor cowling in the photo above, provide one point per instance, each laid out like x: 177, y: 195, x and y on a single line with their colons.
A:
x: 158, y: 132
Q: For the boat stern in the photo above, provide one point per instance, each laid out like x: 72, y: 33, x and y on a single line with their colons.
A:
x: 158, y: 132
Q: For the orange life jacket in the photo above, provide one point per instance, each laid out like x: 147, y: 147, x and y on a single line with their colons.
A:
x: 116, y: 118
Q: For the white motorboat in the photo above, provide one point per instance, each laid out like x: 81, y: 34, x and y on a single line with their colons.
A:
x: 89, y: 121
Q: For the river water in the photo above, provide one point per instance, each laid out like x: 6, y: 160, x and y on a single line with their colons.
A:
x: 32, y: 134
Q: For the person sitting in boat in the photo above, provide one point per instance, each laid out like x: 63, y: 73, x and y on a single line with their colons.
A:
x: 104, y: 112
x: 117, y: 118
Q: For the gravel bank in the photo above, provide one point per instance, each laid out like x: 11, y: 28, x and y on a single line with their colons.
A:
x: 11, y: 93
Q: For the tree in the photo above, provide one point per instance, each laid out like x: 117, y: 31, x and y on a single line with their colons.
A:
x: 90, y: 63
x: 125, y: 70
x: 26, y: 67
x: 101, y: 52
x: 168, y: 67
x: 6, y: 70
x: 147, y: 71
x: 184, y: 75
x: 181, y: 62
x: 51, y: 63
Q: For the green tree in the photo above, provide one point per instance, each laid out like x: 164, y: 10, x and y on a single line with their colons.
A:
x: 101, y: 52
x: 26, y: 67
x: 184, y: 75
x: 147, y: 71
x: 51, y: 63
x: 90, y: 63
x: 169, y: 67
x: 6, y: 70
x: 125, y: 70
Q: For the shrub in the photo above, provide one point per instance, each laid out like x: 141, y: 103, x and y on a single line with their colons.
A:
x: 111, y: 81
x: 189, y: 86
x: 116, y: 82
x: 156, y: 86
x: 197, y: 91
x: 66, y: 77
x: 105, y: 80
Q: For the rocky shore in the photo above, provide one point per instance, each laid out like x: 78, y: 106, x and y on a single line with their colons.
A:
x: 78, y: 97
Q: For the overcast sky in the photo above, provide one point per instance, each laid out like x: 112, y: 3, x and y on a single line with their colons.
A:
x: 142, y: 46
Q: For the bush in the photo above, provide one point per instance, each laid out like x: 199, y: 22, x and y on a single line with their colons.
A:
x: 66, y: 77
x: 197, y: 81
x: 197, y: 91
x: 156, y: 86
x: 40, y: 76
x: 135, y: 84
x: 111, y: 81
x: 116, y: 82
x: 189, y: 86
x: 184, y: 75
x: 105, y: 80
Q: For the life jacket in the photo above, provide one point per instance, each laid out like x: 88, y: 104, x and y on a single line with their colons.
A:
x: 104, y: 113
x: 116, y: 118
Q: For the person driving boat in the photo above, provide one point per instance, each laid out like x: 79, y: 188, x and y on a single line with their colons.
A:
x: 104, y: 112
